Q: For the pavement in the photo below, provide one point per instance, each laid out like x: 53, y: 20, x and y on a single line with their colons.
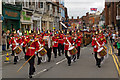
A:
x: 85, y: 67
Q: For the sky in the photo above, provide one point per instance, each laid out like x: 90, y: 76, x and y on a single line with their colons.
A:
x: 81, y: 7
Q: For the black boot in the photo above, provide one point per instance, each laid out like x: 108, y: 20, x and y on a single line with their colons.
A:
x: 30, y: 76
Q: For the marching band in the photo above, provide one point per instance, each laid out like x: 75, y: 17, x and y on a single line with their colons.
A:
x: 60, y: 42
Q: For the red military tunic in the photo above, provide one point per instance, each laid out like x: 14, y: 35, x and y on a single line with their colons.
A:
x: 13, y: 43
x: 19, y: 40
x: 61, y: 40
x: 95, y: 45
x: 55, y: 41
x: 78, y: 41
x: 33, y: 48
x: 67, y: 43
x: 24, y: 42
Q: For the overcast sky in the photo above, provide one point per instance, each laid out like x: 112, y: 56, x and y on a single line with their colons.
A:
x: 80, y: 7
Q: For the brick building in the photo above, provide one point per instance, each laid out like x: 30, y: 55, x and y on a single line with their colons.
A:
x: 112, y: 15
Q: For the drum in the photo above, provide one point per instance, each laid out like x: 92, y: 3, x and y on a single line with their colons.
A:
x: 73, y: 50
x: 42, y: 51
x: 102, y: 51
x: 18, y: 50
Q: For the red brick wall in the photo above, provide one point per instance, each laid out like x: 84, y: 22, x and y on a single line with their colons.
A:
x: 0, y: 33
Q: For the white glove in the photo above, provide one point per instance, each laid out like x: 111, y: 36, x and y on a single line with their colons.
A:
x: 103, y: 44
x: 94, y: 46
x: 21, y: 44
x: 64, y: 43
x: 35, y: 52
x: 10, y: 45
x: 95, y: 39
x: 17, y: 44
x: 73, y: 44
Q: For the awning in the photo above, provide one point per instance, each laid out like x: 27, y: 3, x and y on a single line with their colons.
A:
x: 63, y: 24
x: 26, y: 22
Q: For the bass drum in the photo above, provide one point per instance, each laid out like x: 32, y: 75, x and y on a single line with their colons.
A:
x: 72, y: 50
x: 42, y: 51
x: 18, y: 50
x: 102, y: 51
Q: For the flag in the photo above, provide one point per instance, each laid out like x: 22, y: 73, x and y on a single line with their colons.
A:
x: 93, y: 9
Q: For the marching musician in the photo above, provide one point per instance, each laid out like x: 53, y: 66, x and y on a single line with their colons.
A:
x: 41, y: 44
x: 55, y: 44
x: 13, y: 43
x: 32, y: 51
x: 60, y: 44
x: 67, y: 46
x: 24, y: 44
x: 78, y: 42
x: 74, y: 44
x: 49, y: 46
x: 96, y: 47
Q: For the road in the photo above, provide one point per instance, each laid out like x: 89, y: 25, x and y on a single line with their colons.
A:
x: 85, y: 67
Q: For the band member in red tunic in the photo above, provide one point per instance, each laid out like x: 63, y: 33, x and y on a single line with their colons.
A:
x: 67, y: 44
x: 96, y: 47
x: 60, y: 44
x: 55, y: 45
x: 32, y: 50
x: 78, y: 42
x: 13, y: 43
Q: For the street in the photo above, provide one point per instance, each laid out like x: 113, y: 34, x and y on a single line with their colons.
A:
x: 85, y: 67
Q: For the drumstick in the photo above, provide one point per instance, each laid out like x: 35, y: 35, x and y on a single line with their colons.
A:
x: 25, y: 63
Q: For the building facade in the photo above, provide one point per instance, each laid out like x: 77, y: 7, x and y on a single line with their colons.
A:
x: 112, y: 15
x: 11, y: 14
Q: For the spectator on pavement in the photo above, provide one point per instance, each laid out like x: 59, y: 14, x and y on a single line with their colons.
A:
x: 8, y: 38
x: 118, y: 46
x: 113, y: 37
x: 3, y: 41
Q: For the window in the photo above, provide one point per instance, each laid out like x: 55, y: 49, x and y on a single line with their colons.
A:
x: 48, y: 7
x: 41, y: 4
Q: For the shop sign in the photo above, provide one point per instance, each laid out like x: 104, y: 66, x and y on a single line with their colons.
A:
x: 11, y: 14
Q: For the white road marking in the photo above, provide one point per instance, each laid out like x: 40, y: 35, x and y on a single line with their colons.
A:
x: 40, y: 72
x: 61, y: 61
x: 47, y: 69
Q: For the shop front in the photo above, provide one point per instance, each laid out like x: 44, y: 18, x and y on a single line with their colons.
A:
x: 26, y: 21
x: 36, y: 22
x: 11, y: 14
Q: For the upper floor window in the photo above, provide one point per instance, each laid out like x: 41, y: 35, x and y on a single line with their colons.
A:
x: 41, y: 4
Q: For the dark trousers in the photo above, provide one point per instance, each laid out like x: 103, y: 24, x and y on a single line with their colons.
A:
x: 62, y: 47
x: 119, y: 52
x: 4, y: 47
x: 39, y: 59
x: 49, y: 50
x: 78, y: 53
x: 55, y: 51
x: 98, y: 61
x: 68, y: 58
x: 7, y: 45
x: 74, y: 57
x: 31, y: 63
x: 15, y: 57
x: 24, y: 50
x: 59, y: 49
x: 12, y: 52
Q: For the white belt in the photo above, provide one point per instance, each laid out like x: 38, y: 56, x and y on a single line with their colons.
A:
x: 31, y: 47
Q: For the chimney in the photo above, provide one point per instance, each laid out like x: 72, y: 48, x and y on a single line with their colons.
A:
x: 77, y: 17
x: 72, y: 17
